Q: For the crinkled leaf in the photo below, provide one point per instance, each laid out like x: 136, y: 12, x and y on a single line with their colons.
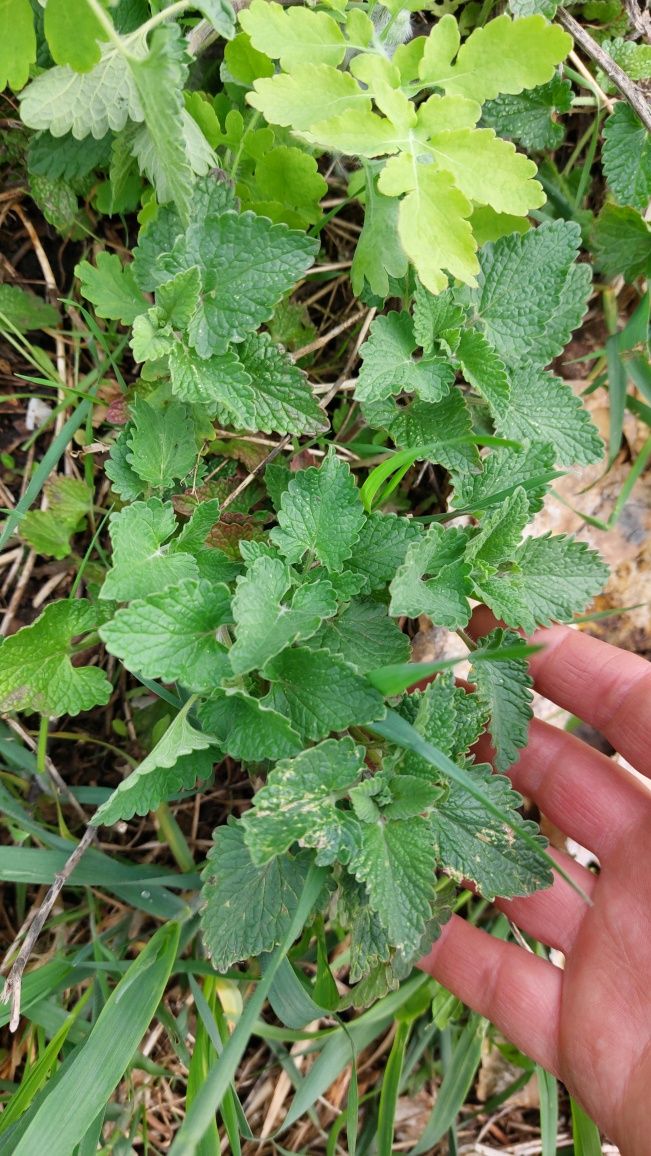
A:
x: 85, y: 104
x: 444, y: 596
x: 320, y: 692
x: 381, y: 548
x: 36, y: 672
x: 283, y: 400
x: 220, y: 382
x: 504, y: 468
x: 111, y: 288
x: 529, y: 117
x: 269, y: 615
x: 560, y: 577
x: 172, y: 635
x: 543, y: 408
x: 621, y: 241
x: 504, y: 688
x: 24, y: 310
x: 444, y: 428
x: 298, y: 804
x: 247, y: 729
x: 626, y: 157
x: 388, y: 366
x: 500, y: 531
x: 484, y: 370
x: 437, y: 317
x: 365, y: 636
x: 320, y: 513
x: 234, y: 930
x: 162, y: 443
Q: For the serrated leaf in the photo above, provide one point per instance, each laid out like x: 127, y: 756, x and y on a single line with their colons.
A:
x: 159, y: 79
x: 220, y: 383
x: 143, y: 559
x: 24, y: 310
x: 380, y: 548
x: 542, y: 408
x: 560, y: 576
x: 365, y: 636
x: 146, y: 787
x: 299, y: 100
x: 49, y: 531
x: 85, y: 104
x: 500, y: 531
x: 36, y: 672
x: 247, y: 265
x: 269, y: 615
x: 437, y: 317
x: 621, y: 241
x: 488, y: 170
x: 446, y: 716
x: 298, y: 804
x: 320, y: 513
x: 172, y: 635
x: 444, y: 596
x: 65, y: 158
x: 529, y: 118
x: 72, y: 31
x: 161, y: 443
x: 626, y: 157
x: 295, y: 36
x: 396, y: 862
x: 17, y: 43
x: 388, y: 366
x: 283, y: 400
x: 57, y: 201
x: 247, y: 729
x: 151, y: 338
x: 125, y: 481
x: 502, y: 56
x: 505, y: 690
x: 471, y: 844
x: 484, y: 370
x: 445, y: 429
x: 111, y: 288
x: 320, y: 692
x: 522, y: 290
x: 503, y: 468
x: 233, y: 930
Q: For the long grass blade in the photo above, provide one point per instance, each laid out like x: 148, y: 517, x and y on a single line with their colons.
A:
x: 457, y: 1080
x: 585, y: 1134
x: 548, y: 1087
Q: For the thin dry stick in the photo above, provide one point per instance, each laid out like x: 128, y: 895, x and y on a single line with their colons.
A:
x: 628, y: 89
x: 607, y: 102
x: 35, y: 923
x: 327, y: 337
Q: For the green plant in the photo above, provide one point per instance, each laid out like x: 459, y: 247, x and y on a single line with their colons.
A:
x: 269, y: 614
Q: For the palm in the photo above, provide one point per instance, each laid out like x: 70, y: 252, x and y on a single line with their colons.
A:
x: 590, y: 1023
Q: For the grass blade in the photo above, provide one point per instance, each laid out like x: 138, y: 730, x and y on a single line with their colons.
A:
x: 68, y: 1112
x: 390, y: 1089
x: 466, y: 1055
x: 548, y: 1087
x: 585, y: 1134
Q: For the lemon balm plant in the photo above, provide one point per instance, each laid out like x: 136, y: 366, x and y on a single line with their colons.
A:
x: 281, y: 638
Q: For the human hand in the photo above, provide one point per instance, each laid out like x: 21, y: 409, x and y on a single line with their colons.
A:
x: 589, y: 1024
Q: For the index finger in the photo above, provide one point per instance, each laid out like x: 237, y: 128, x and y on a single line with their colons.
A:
x: 606, y: 687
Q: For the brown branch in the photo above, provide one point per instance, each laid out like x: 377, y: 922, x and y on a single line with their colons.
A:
x: 622, y: 82
x: 34, y: 925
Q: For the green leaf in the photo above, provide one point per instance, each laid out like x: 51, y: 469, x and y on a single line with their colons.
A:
x: 233, y: 930
x: 125, y: 481
x: 389, y: 366
x: 221, y: 383
x: 484, y: 370
x: 521, y: 302
x: 396, y: 861
x: 437, y: 318
x: 504, y: 688
x: 444, y: 596
x: 78, y: 1095
x: 220, y: 14
x: 320, y: 513
x: 320, y: 692
x: 500, y: 531
x: 542, y: 408
x: 24, y: 310
x: 247, y: 729
x: 57, y: 201
x: 171, y: 635
x: 502, y: 56
x: 146, y: 787
x: 560, y: 576
x: 247, y: 265
x: 505, y: 468
x: 298, y: 804
x: 17, y: 43
x: 49, y: 531
x: 379, y: 255
x: 36, y: 671
x: 476, y: 157
x: 65, y: 158
x: 291, y: 177
x: 85, y: 104
x: 365, y: 636
x: 446, y: 716
x: 443, y: 429
x: 283, y: 400
x: 298, y: 100
x: 472, y: 844
x: 626, y: 157
x: 143, y: 559
x: 267, y: 619
x: 529, y: 118
x: 161, y: 443
x: 294, y: 36
x: 177, y: 299
x: 72, y: 31
x: 159, y: 79
x: 380, y: 548
x: 621, y: 241
x: 151, y: 339
x: 111, y: 288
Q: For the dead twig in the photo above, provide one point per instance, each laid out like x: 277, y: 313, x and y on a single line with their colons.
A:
x: 622, y: 82
x: 34, y: 925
